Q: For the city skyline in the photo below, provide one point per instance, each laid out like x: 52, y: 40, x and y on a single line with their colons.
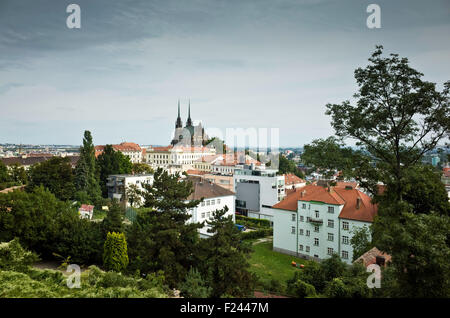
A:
x: 251, y: 64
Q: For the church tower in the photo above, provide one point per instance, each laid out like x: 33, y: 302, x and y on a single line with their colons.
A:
x: 189, y: 120
x: 178, y: 123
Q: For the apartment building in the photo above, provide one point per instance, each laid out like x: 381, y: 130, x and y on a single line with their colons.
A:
x: 257, y: 190
x: 214, y: 198
x: 118, y: 184
x: 314, y: 222
x: 129, y: 149
x: 183, y: 157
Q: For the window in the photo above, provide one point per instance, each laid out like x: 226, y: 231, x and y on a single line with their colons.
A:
x: 301, y: 218
x: 345, y: 225
x: 208, y: 214
x: 316, y: 229
x: 330, y: 251
x: 317, y: 214
x: 213, y: 202
x: 301, y: 231
x: 331, y: 209
x: 293, y: 217
x: 344, y: 254
x: 308, y: 219
x: 330, y: 237
x: 293, y: 230
x: 331, y: 223
x: 218, y: 201
x: 345, y: 240
x: 316, y: 241
x: 203, y: 203
x: 300, y: 247
x: 208, y: 202
x: 304, y: 206
x: 307, y: 249
x: 203, y: 215
x: 307, y: 232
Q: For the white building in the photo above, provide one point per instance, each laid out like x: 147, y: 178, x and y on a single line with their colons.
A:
x: 257, y: 190
x: 182, y: 157
x: 86, y: 211
x: 214, y: 198
x: 119, y: 183
x: 315, y: 221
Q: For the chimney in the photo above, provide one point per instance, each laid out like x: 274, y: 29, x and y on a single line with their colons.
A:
x: 358, y: 203
x: 302, y: 194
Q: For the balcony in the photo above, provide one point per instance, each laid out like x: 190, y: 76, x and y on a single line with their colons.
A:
x: 315, y: 221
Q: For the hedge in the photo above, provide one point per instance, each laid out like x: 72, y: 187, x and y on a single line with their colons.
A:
x: 256, y: 234
x: 252, y: 222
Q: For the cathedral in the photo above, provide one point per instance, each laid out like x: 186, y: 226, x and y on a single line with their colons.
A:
x: 188, y: 135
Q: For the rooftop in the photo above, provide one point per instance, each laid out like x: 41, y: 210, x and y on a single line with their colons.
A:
x: 206, y: 189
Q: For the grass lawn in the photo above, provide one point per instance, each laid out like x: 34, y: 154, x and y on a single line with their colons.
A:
x: 269, y: 265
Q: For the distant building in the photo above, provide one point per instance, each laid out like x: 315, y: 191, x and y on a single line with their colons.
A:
x: 257, y: 190
x: 86, y: 211
x: 28, y: 161
x: 129, y: 149
x: 118, y: 184
x: 215, y: 198
x: 190, y: 134
x: 291, y: 181
x: 315, y: 222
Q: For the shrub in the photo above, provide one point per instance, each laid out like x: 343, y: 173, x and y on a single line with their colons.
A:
x: 252, y: 222
x: 256, y: 234
x: 14, y: 257
x: 194, y: 285
x: 115, y: 256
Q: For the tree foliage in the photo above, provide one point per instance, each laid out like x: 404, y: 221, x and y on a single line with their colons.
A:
x: 115, y: 256
x: 194, y: 286
x: 112, y: 162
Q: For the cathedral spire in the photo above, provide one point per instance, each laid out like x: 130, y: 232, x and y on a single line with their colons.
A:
x: 178, y: 123
x: 189, y: 120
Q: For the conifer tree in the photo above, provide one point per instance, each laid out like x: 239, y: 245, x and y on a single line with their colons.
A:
x: 115, y: 256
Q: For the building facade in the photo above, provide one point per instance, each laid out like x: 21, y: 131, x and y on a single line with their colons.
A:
x: 118, y: 184
x: 314, y: 222
x: 129, y: 149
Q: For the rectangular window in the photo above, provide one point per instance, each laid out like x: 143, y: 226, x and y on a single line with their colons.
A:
x: 293, y: 217
x: 344, y: 254
x: 345, y: 240
x: 307, y: 249
x: 203, y: 203
x: 316, y: 229
x: 293, y: 230
x: 203, y: 215
x: 301, y: 218
x: 307, y: 232
x: 301, y: 232
x: 304, y: 206
x: 208, y: 202
x: 331, y: 223
x: 331, y: 209
x: 208, y: 214
x: 316, y: 241
x: 345, y: 225
x: 330, y: 251
x: 218, y: 201
x: 317, y: 214
x: 213, y: 202
x: 330, y: 237
x: 300, y: 247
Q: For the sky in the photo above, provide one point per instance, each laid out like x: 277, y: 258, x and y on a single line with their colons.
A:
x: 271, y: 64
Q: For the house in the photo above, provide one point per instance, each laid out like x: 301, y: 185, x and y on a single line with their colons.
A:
x: 257, y: 190
x: 291, y: 181
x: 214, y: 198
x: 315, y: 222
x: 119, y: 184
x: 374, y: 256
x: 86, y: 211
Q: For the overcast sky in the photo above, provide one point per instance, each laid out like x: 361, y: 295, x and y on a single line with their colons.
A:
x: 242, y: 63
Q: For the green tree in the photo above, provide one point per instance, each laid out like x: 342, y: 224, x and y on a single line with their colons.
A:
x: 115, y: 256
x: 113, y: 222
x: 194, y: 285
x: 397, y: 118
x: 56, y: 175
x: 161, y: 238
x: 360, y: 241
x: 112, y: 162
x: 133, y: 195
x: 18, y: 174
x: 300, y: 289
x: 86, y: 174
x: 141, y: 168
x: 14, y: 257
x: 4, y: 175
x: 225, y: 258
x: 337, y: 289
x: 288, y: 166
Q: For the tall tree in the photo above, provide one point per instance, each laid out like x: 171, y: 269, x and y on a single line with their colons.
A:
x: 115, y: 256
x: 86, y: 174
x: 397, y: 118
x: 161, y: 238
x: 113, y: 222
x: 288, y: 166
x: 112, y: 162
x: 4, y: 175
x: 56, y: 175
x: 225, y: 262
x: 141, y: 168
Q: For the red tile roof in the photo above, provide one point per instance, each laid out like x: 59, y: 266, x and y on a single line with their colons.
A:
x: 87, y: 207
x: 357, y: 205
x: 290, y: 179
